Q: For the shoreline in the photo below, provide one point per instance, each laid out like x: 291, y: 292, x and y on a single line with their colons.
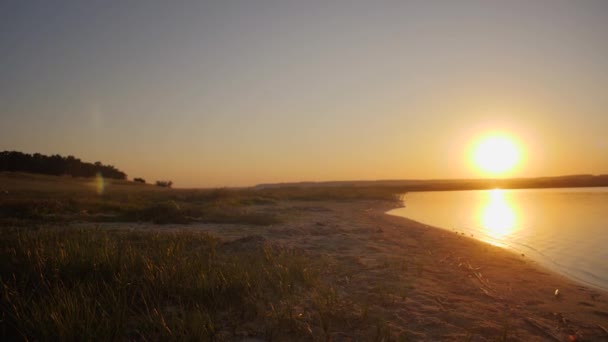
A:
x: 577, y: 289
x: 428, y: 283
x: 581, y: 276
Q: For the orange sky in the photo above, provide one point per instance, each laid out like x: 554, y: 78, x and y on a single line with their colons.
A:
x: 249, y: 92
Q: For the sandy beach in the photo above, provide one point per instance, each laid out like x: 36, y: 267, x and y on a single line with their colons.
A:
x: 428, y: 283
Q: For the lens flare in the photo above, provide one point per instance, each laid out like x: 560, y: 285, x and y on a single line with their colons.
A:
x: 99, y: 183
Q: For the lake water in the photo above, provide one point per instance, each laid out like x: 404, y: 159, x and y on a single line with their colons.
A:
x: 563, y: 229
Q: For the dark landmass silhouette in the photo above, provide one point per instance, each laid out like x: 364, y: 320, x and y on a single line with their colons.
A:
x: 583, y: 180
x: 55, y: 165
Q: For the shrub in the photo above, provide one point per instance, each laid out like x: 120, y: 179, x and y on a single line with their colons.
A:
x: 164, y: 184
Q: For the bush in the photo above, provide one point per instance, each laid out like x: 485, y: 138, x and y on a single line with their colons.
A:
x: 162, y: 213
x: 139, y: 180
x: 164, y: 184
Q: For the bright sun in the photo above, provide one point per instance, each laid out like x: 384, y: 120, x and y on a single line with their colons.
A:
x: 496, y: 154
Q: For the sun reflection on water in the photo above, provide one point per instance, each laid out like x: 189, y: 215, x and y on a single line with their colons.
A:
x: 497, y: 214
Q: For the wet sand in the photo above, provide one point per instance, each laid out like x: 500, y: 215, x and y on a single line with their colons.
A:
x: 430, y: 283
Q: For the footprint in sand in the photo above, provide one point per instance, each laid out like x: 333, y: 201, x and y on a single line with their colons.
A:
x: 601, y: 313
x: 585, y: 304
x: 534, y: 302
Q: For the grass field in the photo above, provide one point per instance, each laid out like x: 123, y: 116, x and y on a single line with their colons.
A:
x: 95, y: 284
x: 62, y: 282
x: 26, y: 198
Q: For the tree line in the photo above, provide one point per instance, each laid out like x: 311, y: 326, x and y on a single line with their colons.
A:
x: 55, y: 165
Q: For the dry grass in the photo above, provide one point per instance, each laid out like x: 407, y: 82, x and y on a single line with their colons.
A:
x: 66, y: 283
x: 28, y: 198
x: 95, y: 284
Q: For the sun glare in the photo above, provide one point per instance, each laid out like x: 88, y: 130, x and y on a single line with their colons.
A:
x: 496, y: 155
x: 498, y: 216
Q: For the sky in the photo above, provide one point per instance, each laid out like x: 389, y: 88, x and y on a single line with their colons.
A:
x: 236, y: 93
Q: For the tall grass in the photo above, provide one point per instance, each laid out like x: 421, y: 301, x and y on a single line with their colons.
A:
x: 81, y: 284
x: 159, y: 210
x: 92, y: 284
x: 44, y: 201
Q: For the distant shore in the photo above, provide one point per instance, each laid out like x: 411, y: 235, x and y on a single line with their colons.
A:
x: 412, y: 185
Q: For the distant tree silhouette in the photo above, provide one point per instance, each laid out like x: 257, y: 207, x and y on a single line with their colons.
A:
x: 164, y: 184
x: 139, y: 180
x: 55, y: 165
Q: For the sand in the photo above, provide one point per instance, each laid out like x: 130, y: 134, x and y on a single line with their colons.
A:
x: 430, y: 283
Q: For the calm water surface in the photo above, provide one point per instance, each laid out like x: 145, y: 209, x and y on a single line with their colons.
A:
x: 563, y: 229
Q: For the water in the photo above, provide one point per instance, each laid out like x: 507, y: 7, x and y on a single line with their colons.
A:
x: 563, y: 229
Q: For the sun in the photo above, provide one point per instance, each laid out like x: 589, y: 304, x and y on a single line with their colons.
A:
x: 496, y: 154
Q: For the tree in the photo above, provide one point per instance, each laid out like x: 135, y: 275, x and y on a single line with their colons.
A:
x: 55, y: 165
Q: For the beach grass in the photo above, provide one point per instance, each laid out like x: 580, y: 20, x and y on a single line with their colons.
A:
x: 99, y: 284
x: 28, y: 198
x: 61, y: 280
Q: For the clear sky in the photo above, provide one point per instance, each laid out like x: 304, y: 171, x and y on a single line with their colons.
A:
x: 231, y: 93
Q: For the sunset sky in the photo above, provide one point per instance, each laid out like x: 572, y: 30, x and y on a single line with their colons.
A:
x: 233, y: 93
